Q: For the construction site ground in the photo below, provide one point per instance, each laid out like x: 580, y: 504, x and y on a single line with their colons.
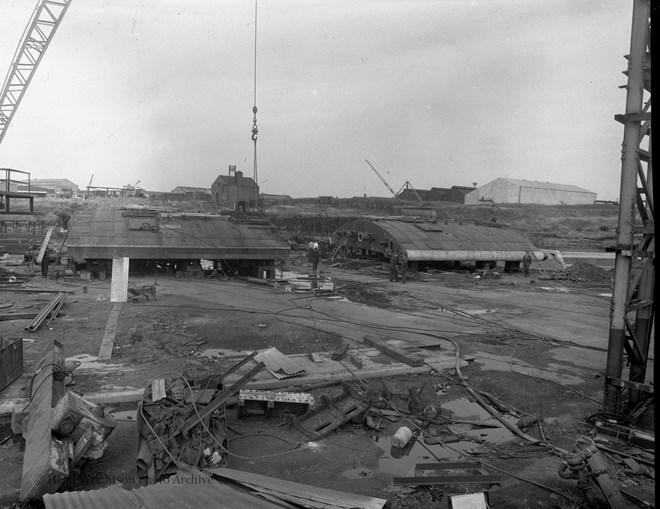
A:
x: 537, y: 344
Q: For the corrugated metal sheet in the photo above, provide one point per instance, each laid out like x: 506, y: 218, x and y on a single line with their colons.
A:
x: 279, y: 365
x: 105, y: 234
x: 180, y: 492
x: 437, y: 241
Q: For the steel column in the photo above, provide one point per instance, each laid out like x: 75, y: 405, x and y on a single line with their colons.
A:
x: 633, y: 205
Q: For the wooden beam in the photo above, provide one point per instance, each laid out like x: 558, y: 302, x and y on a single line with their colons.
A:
x: 44, y: 245
x: 414, y: 360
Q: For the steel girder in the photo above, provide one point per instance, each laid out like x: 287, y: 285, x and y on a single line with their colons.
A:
x: 632, y: 308
x: 38, y: 34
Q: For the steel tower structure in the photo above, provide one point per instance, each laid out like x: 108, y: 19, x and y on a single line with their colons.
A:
x: 633, y: 306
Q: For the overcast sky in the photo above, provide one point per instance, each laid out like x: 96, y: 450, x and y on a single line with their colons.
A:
x: 440, y: 93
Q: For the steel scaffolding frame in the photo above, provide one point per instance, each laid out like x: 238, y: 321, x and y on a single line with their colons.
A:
x: 632, y: 308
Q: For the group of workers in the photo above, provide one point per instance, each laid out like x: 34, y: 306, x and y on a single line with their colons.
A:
x: 398, y: 265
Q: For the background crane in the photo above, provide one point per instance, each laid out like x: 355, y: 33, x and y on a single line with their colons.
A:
x: 406, y: 184
x: 38, y: 34
x: 382, y: 179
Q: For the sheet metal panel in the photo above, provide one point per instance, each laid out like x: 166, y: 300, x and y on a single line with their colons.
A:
x: 198, y: 492
x: 112, y: 234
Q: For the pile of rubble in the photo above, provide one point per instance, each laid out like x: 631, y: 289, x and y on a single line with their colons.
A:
x: 585, y: 272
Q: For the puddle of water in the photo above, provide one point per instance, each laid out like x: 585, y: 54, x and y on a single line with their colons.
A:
x: 554, y: 289
x: 126, y: 415
x: 358, y: 473
x: 466, y: 410
x: 401, y: 462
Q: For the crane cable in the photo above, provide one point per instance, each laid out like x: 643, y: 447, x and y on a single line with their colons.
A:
x: 255, y: 129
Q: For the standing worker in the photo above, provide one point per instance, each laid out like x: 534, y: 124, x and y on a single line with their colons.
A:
x: 394, y: 272
x: 403, y: 262
x: 44, y: 262
x: 526, y: 262
x: 64, y: 219
x: 315, y: 257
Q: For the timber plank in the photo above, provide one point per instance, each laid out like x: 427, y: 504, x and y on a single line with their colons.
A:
x: 400, y: 355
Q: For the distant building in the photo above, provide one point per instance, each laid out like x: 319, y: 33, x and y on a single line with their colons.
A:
x: 59, y: 188
x: 457, y: 194
x: 276, y: 199
x: 506, y: 190
x: 410, y: 194
x: 190, y: 190
x: 235, y: 190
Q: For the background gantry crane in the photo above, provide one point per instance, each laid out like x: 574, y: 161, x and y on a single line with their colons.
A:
x: 38, y: 35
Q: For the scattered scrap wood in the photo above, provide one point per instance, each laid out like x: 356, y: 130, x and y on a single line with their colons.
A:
x: 356, y: 362
x: 278, y: 364
x: 414, y: 360
x: 303, y: 495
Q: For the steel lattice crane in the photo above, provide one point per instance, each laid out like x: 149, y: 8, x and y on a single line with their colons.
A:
x: 406, y: 184
x: 38, y: 34
x: 382, y: 179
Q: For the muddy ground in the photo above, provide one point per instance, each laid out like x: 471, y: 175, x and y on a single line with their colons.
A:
x: 536, y: 345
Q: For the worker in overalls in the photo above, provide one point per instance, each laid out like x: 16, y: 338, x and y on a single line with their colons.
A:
x: 526, y: 262
x: 394, y: 271
x: 44, y: 262
x: 403, y: 265
x: 315, y: 257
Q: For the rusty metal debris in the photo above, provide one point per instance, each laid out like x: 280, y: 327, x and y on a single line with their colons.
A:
x: 159, y: 449
x: 332, y: 413
x: 588, y: 466
x: 176, y: 426
x: 61, y: 428
x: 269, y: 403
x: 11, y: 360
x: 145, y: 290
